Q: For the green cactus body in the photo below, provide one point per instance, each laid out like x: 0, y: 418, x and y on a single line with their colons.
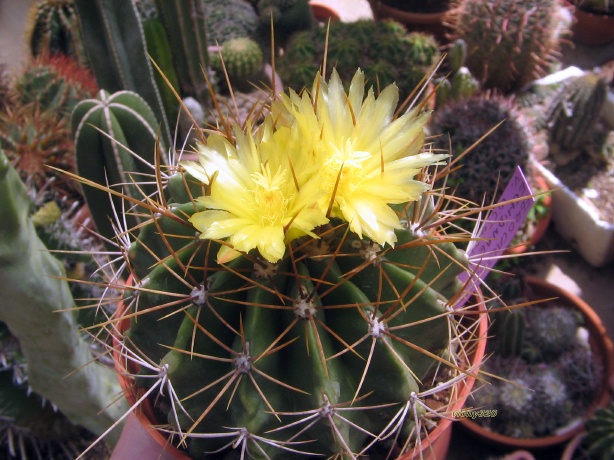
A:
x: 114, y: 134
x: 37, y: 308
x: 54, y: 29
x: 599, y: 440
x: 186, y: 30
x: 509, y: 44
x: 319, y: 314
x: 243, y: 60
x: 573, y: 113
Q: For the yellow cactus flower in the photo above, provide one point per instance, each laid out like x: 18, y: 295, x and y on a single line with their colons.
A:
x: 319, y: 155
x: 254, y: 200
x: 365, y: 159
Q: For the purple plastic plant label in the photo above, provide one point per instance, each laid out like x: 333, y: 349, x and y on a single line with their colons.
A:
x: 496, y: 233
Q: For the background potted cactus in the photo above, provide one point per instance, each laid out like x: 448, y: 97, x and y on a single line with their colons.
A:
x: 553, y: 361
x: 594, y: 23
x: 509, y: 44
x: 577, y: 166
x: 384, y: 49
x: 303, y: 258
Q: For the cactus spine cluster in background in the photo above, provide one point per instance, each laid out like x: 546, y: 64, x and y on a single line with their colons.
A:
x: 288, y: 16
x: 509, y: 44
x: 54, y: 29
x: 547, y: 374
x: 312, y: 313
x: 488, y: 168
x: 572, y: 115
x: 385, y: 51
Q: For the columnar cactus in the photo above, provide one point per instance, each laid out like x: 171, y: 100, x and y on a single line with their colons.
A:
x: 186, y: 30
x: 54, y: 29
x: 573, y: 113
x: 116, y: 143
x: 509, y: 44
x: 115, y: 43
x: 37, y: 306
x: 298, y: 299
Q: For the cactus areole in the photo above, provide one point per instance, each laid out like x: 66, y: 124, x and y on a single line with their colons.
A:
x: 303, y: 303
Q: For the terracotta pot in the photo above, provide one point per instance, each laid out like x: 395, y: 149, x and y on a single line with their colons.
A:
x: 572, y: 446
x: 592, y: 29
x: 602, y: 347
x: 434, y: 447
x: 423, y: 22
x: 323, y: 12
x: 148, y: 441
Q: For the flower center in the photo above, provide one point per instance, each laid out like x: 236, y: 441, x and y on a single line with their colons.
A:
x: 269, y: 198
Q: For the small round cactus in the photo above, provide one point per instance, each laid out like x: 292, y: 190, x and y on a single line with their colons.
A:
x: 545, y: 381
x: 490, y: 165
x: 242, y: 59
x: 552, y: 330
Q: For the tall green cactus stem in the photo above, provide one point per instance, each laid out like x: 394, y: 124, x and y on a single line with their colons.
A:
x: 185, y: 27
x: 115, y: 42
x: 116, y: 143
x: 53, y: 28
x: 573, y: 114
x: 36, y: 305
x: 509, y: 44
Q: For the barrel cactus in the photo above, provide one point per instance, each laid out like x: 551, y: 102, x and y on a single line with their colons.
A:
x: 243, y: 61
x: 509, y: 44
x: 490, y: 165
x: 293, y: 291
x: 383, y: 49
